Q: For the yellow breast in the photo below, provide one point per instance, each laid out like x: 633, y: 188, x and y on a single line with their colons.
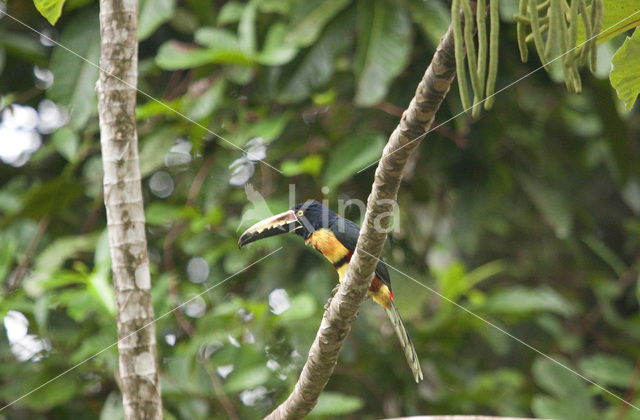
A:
x: 326, y: 242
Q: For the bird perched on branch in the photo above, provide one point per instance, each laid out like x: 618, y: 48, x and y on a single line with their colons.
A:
x: 336, y: 237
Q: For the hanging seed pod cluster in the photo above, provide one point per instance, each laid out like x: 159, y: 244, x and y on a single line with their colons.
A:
x: 552, y: 25
x: 482, y: 62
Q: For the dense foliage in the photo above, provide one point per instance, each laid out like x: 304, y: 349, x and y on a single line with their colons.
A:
x: 528, y: 217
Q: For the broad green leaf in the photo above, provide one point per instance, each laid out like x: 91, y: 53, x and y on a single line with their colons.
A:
x: 605, y: 253
x: 54, y: 256
x: 311, y: 164
x: 551, y: 204
x: 276, y: 50
x: 174, y: 55
x: 351, y: 155
x: 619, y: 17
x: 309, y: 19
x: 217, y: 38
x: 50, y: 9
x: 153, y: 149
x: 564, y: 385
x: 153, y: 13
x: 112, y: 408
x: 206, y: 103
x: 336, y: 404
x: 315, y: 66
x: 607, y: 370
x: 98, y: 282
x: 50, y: 198
x: 452, y: 280
x: 625, y: 70
x: 153, y: 108
x: 248, y: 377
x: 384, y: 43
x: 522, y: 300
x: 43, y: 399
x: 432, y: 16
x: 160, y: 213
x: 66, y: 143
x: 302, y: 306
x: 247, y: 29
x: 547, y: 407
x: 75, y: 79
x: 23, y: 46
x: 230, y: 12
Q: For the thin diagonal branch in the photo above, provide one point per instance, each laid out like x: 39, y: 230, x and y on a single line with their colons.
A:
x: 343, y: 309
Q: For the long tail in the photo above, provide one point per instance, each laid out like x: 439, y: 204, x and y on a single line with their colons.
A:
x: 405, y: 341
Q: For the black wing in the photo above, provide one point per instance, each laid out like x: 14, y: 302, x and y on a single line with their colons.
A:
x: 347, y: 233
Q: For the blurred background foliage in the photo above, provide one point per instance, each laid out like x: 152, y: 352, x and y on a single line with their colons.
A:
x: 528, y: 217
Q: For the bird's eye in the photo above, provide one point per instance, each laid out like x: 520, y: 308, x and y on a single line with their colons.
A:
x: 300, y: 212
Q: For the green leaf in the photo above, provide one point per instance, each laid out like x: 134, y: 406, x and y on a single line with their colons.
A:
x: 619, y: 17
x: 625, y: 70
x: 572, y: 400
x: 50, y: 198
x: 607, y: 370
x: 336, y: 404
x: 522, y: 300
x: 46, y: 398
x: 174, y: 55
x: 302, y: 306
x: 309, y: 19
x: 247, y: 378
x: 384, y: 43
x: 75, y: 79
x: 432, y: 16
x: 206, y: 103
x: 351, y: 155
x: 50, y: 9
x: 247, y: 28
x: 605, y: 253
x: 112, y: 408
x: 230, y: 12
x: 159, y: 213
x: 315, y: 67
x: 52, y: 258
x: 24, y: 46
x: 154, y: 147
x: 216, y: 38
x: 66, y: 143
x: 311, y: 164
x: 552, y: 205
x: 276, y: 50
x: 98, y: 282
x: 153, y: 13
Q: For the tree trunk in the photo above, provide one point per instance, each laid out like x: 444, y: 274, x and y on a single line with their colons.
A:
x: 343, y: 309
x: 138, y: 364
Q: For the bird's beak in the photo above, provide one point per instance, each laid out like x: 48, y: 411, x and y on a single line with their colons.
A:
x: 274, y: 225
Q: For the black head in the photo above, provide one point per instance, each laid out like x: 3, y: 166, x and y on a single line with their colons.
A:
x: 303, y: 219
x: 312, y: 216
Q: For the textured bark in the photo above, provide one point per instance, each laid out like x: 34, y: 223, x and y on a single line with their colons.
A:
x: 342, y: 311
x: 138, y: 364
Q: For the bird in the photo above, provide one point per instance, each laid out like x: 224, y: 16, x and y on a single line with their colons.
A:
x: 335, y: 237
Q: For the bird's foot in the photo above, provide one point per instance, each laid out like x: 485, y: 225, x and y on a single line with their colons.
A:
x: 333, y: 293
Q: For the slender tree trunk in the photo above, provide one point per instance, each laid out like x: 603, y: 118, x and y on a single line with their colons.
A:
x: 342, y: 311
x: 138, y: 364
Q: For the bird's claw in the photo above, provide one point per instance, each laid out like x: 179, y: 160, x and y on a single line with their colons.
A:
x: 333, y: 293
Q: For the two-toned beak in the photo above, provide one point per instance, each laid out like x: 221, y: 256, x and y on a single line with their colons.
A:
x: 272, y: 226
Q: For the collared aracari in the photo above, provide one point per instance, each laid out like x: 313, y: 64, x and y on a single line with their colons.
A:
x: 336, y: 237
